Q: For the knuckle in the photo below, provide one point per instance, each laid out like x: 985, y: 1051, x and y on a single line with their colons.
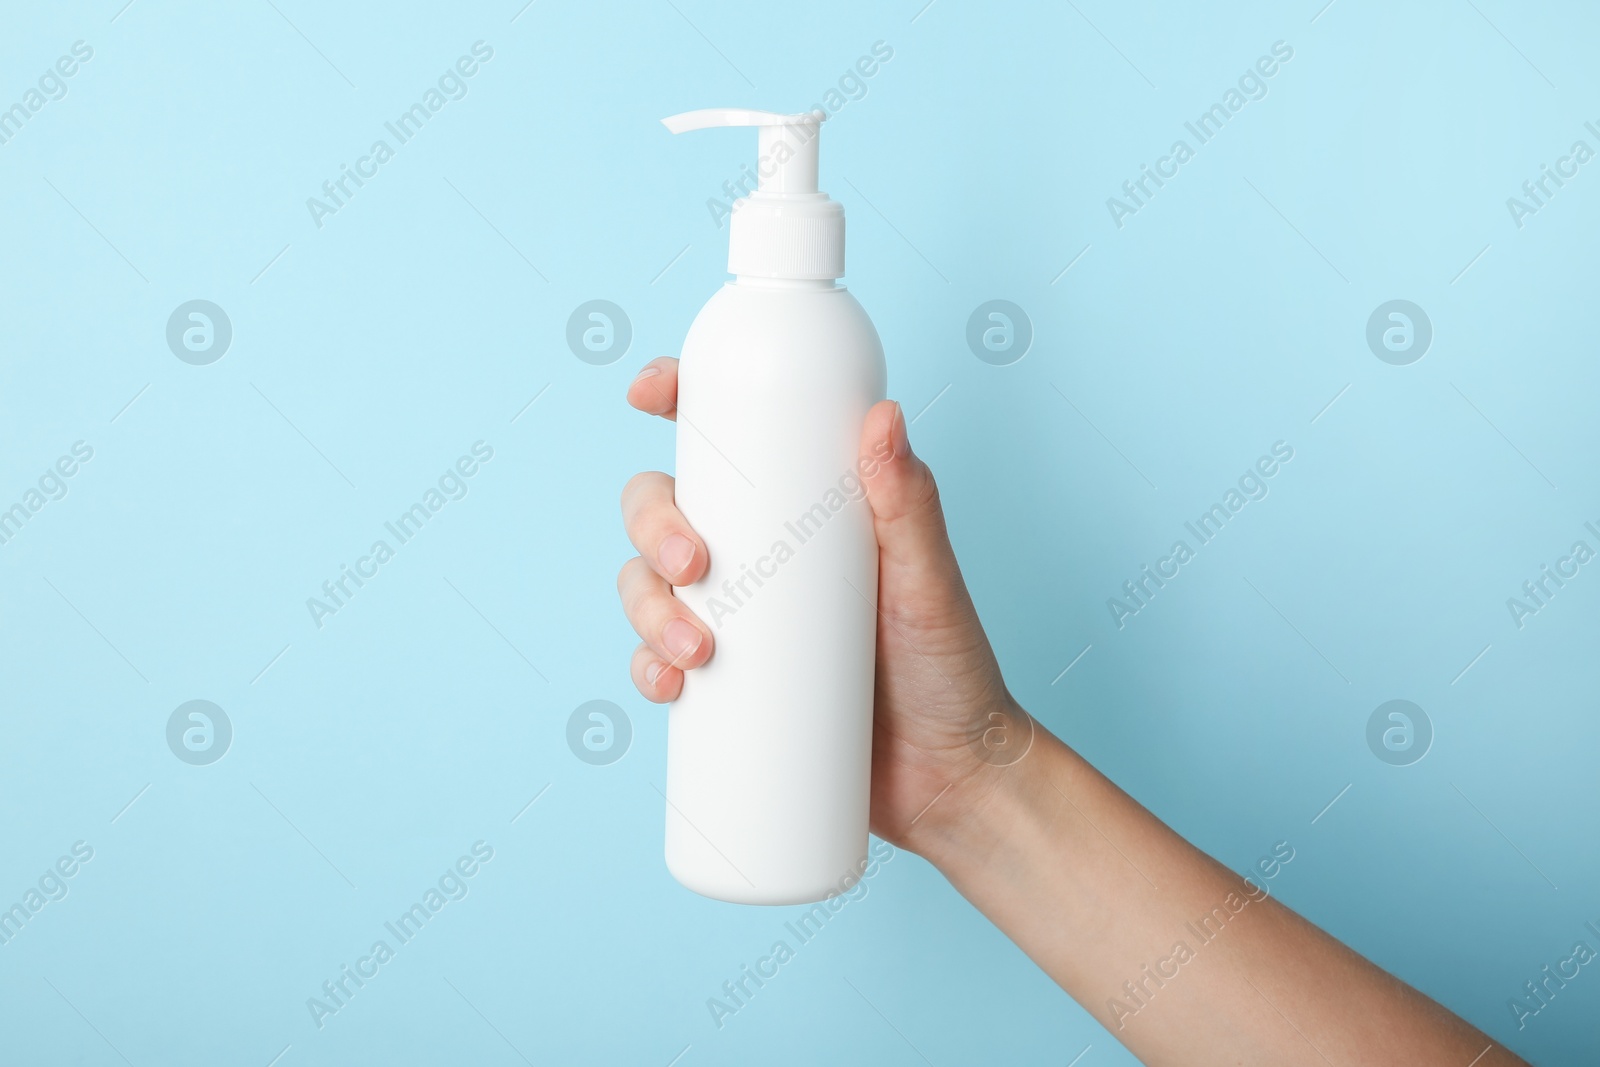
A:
x: 630, y: 491
x: 925, y: 495
x: 639, y: 591
x: 628, y: 581
x: 644, y: 493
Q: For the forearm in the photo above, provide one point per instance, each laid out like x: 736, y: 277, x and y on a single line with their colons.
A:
x: 1181, y: 959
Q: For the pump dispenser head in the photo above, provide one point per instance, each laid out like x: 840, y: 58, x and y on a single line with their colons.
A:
x: 786, y: 228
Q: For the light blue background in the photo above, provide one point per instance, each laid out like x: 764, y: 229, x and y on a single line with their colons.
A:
x: 373, y: 752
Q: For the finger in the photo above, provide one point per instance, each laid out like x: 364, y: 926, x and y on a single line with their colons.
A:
x: 661, y: 619
x: 659, y: 531
x: 901, y: 489
x: 916, y: 556
x: 654, y: 390
x: 657, y: 681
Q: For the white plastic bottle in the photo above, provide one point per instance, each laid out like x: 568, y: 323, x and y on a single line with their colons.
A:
x: 769, y: 746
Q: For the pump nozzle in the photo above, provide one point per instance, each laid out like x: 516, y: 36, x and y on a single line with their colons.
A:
x: 786, y: 228
x: 788, y: 143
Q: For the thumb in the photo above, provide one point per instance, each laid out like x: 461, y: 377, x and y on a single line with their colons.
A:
x: 915, y: 552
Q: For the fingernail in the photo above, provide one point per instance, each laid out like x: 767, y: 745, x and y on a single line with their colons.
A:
x: 657, y: 402
x: 653, y: 672
x: 898, y: 433
x: 675, y: 554
x: 681, y: 639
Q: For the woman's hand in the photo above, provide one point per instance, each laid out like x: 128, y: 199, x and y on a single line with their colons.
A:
x: 1093, y: 887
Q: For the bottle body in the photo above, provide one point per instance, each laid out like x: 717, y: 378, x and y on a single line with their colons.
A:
x: 769, y: 745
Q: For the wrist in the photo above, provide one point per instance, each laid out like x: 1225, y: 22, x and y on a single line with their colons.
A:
x: 1003, y: 792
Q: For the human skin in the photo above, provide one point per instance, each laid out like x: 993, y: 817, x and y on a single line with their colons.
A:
x: 1093, y: 887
